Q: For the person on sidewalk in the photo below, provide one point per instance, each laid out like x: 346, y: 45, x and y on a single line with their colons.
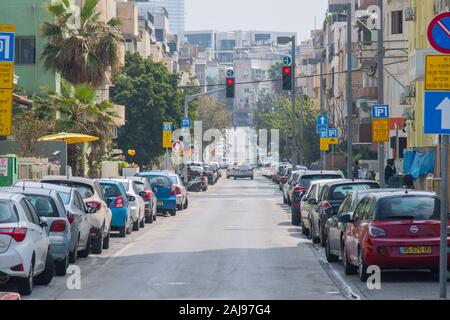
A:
x: 356, y: 170
x: 389, y: 171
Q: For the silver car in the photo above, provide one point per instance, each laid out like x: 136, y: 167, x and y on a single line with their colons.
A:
x: 48, y: 204
x: 243, y: 171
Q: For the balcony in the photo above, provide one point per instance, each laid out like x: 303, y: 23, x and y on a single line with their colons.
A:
x: 364, y: 4
x: 369, y: 93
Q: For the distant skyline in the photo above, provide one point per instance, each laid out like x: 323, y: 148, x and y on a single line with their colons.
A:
x: 267, y: 15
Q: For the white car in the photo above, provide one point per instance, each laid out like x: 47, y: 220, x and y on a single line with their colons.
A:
x: 180, y: 190
x: 24, y: 244
x: 93, y: 197
x: 136, y: 201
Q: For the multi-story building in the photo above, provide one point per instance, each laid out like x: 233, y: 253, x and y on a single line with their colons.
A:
x: 175, y: 9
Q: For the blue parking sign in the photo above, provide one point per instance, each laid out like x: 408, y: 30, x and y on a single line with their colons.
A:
x: 6, y: 47
x: 380, y: 111
x: 186, y: 122
x: 333, y: 133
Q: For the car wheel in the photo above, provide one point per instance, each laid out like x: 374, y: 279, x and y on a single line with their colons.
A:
x: 47, y: 275
x: 85, y: 253
x: 330, y: 257
x: 142, y: 223
x: 149, y: 219
x: 284, y: 200
x: 253, y: 178
x: 73, y: 254
x: 186, y: 203
x: 97, y: 244
x: 294, y: 218
x: 136, y: 225
x: 362, y: 267
x: 173, y: 212
x: 310, y: 231
x: 180, y: 207
x: 304, y: 230
x: 25, y: 285
x: 313, y: 233
x: 348, y: 267
x: 234, y: 178
x: 106, y: 240
x: 123, y: 232
x: 322, y: 236
x: 61, y: 266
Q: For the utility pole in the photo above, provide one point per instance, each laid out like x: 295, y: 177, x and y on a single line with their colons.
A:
x: 381, y: 88
x: 322, y: 153
x: 294, y: 98
x: 349, y: 92
x: 444, y: 219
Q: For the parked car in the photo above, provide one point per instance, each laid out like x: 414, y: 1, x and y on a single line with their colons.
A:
x: 92, y: 195
x: 230, y: 171
x: 136, y: 202
x: 24, y: 244
x: 197, y: 180
x: 284, y: 176
x: 290, y: 185
x: 181, y: 193
x: 332, y: 195
x: 211, y: 175
x: 164, y: 190
x: 77, y: 214
x: 278, y: 172
x: 119, y: 204
x: 301, y: 186
x: 393, y: 230
x: 149, y: 198
x: 243, y: 171
x: 334, y: 229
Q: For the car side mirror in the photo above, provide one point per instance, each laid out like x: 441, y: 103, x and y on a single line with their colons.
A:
x: 143, y: 194
x: 43, y: 222
x: 312, y: 201
x: 131, y: 198
x: 345, y: 218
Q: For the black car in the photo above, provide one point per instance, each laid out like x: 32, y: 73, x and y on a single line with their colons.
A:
x: 334, y: 229
x: 332, y: 195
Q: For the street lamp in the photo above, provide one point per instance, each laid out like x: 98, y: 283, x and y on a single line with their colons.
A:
x: 285, y: 40
x: 347, y: 10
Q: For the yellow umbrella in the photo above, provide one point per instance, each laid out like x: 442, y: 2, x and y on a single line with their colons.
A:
x: 70, y: 138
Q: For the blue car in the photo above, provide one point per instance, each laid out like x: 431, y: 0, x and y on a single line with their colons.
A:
x: 117, y: 200
x: 164, y: 190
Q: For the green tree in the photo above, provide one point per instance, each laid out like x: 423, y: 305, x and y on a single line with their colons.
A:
x: 82, y: 51
x: 150, y: 94
x: 77, y: 110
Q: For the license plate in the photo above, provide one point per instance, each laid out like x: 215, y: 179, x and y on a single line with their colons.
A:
x: 415, y: 250
x: 159, y: 203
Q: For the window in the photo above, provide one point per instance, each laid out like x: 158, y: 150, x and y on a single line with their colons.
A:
x: 25, y: 50
x: 7, y: 214
x: 408, y: 208
x: 360, y: 209
x: 30, y: 212
x: 45, y: 206
x: 110, y: 190
x: 339, y: 192
x: 345, y: 206
x: 65, y: 197
x: 397, y: 22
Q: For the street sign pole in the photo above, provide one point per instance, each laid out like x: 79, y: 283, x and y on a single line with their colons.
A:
x: 349, y: 92
x: 381, y: 145
x: 444, y: 219
x: 293, y: 103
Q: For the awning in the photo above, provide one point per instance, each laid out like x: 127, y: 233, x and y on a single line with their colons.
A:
x: 70, y: 138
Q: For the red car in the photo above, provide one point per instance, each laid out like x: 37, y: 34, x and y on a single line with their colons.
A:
x: 9, y: 296
x: 393, y: 230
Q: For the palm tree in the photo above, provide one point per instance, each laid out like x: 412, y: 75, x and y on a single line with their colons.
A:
x: 78, y: 110
x: 81, y: 51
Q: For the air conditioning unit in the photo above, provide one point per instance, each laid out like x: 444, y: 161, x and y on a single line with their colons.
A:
x: 410, y: 14
x: 408, y: 114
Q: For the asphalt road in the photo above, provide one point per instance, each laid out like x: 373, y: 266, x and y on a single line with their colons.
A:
x: 234, y: 242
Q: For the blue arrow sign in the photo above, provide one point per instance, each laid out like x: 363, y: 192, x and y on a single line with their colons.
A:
x: 185, y: 122
x: 380, y: 111
x: 437, y: 112
x: 6, y: 47
x: 287, y: 60
x: 322, y: 120
x: 333, y: 133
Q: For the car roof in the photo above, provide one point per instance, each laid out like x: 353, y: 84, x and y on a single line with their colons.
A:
x: 111, y: 180
x: 405, y: 192
x: 42, y: 185
x: 154, y: 173
x: 11, y: 196
x: 36, y: 191
x: 319, y: 172
x: 348, y: 181
x: 322, y: 181
x: 70, y: 178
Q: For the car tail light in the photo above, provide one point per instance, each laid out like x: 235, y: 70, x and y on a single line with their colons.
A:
x: 202, y: 178
x: 177, y: 190
x: 18, y: 234
x: 71, y: 218
x: 326, y: 205
x: 148, y: 195
x: 299, y: 189
x: 119, y: 203
x: 58, y: 226
x: 173, y: 191
x: 376, y: 232
x: 296, y: 204
x: 95, y: 204
x: 19, y: 267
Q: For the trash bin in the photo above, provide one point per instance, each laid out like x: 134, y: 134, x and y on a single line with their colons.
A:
x: 9, y: 170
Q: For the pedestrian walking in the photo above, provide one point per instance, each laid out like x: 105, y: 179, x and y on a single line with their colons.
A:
x: 356, y: 170
x: 390, y: 170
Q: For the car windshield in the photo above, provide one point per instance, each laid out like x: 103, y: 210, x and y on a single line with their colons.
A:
x: 44, y: 205
x: 110, y: 190
x: 174, y: 179
x: 7, y: 213
x: 307, y: 179
x: 85, y: 190
x: 158, y: 181
x: 408, y: 208
x: 341, y: 191
x: 65, y: 197
x: 244, y: 167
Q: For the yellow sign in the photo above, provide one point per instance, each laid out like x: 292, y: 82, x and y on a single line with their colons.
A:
x: 5, y: 112
x: 437, y: 72
x: 331, y: 140
x: 380, y: 130
x: 7, y: 28
x: 324, y: 146
x: 167, y: 135
x: 6, y: 75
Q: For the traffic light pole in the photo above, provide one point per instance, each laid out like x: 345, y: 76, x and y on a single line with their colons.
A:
x: 349, y: 92
x: 381, y: 89
x: 293, y: 97
x: 322, y: 153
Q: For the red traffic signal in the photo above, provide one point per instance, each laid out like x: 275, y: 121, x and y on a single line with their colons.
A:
x: 287, y: 70
x: 230, y: 81
x: 230, y: 88
x: 287, y: 78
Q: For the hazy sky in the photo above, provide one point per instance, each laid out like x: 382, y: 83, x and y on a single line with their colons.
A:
x: 267, y: 15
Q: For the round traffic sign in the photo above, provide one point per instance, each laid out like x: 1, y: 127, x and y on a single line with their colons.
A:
x: 177, y: 146
x: 287, y: 60
x: 230, y: 73
x: 439, y: 33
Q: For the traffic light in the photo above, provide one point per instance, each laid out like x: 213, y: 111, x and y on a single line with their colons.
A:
x: 287, y: 77
x: 230, y: 88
